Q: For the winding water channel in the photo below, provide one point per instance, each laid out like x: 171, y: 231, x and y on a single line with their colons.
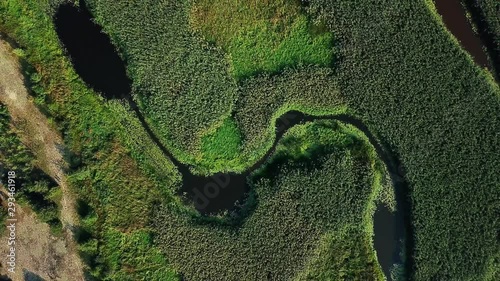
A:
x: 98, y: 64
x: 455, y: 18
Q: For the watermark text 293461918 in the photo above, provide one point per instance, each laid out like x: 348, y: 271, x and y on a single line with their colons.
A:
x: 11, y: 221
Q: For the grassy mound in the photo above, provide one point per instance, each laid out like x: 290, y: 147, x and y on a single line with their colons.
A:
x: 221, y: 145
x: 262, y: 36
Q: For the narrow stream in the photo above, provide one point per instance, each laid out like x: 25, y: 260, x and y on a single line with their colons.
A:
x: 486, y: 34
x: 98, y: 64
x: 454, y: 17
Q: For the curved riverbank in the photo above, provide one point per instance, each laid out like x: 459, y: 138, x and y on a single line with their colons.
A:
x: 219, y: 192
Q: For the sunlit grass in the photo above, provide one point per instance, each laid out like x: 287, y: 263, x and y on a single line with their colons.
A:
x: 262, y: 36
x: 223, y: 144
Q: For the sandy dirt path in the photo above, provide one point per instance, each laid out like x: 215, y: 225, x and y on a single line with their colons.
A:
x: 53, y: 258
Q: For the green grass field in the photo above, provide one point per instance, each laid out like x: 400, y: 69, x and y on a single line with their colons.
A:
x: 200, y: 84
x: 221, y: 145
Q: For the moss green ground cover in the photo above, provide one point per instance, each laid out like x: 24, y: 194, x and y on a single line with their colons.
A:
x: 398, y: 70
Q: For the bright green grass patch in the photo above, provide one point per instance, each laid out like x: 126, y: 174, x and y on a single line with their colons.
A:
x: 223, y: 144
x: 262, y: 36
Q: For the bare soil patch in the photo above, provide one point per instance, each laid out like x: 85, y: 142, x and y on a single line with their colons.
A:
x: 52, y: 258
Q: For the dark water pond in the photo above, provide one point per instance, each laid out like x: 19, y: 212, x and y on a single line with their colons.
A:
x: 92, y: 54
x: 389, y: 238
x: 97, y: 62
x: 455, y: 19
